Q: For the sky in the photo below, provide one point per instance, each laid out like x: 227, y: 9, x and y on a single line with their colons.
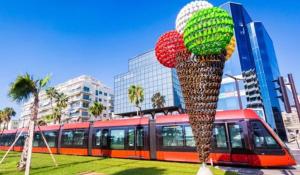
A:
x: 97, y: 37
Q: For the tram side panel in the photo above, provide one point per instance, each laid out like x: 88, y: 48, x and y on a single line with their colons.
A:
x: 39, y: 145
x: 74, y: 141
x: 120, y: 142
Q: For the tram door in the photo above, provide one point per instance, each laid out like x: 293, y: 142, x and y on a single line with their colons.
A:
x: 136, y: 142
x: 237, y: 146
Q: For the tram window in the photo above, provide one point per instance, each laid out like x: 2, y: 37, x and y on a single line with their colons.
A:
x: 219, y: 137
x: 7, y: 140
x: 105, y: 138
x: 236, y: 136
x: 21, y: 140
x: 172, y: 136
x: 80, y: 138
x: 51, y: 138
x: 97, y: 138
x: 117, y: 139
x: 37, y: 140
x: 67, y: 138
x: 261, y: 137
x: 1, y: 140
x: 140, y: 137
x: 189, y: 137
x: 131, y: 137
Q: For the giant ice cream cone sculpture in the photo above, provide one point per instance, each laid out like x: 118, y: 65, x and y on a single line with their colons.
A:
x: 209, y: 42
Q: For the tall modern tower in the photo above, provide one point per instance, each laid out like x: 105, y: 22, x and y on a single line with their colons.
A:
x: 258, y: 66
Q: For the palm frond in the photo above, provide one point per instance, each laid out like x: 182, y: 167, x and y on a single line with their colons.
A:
x: 22, y: 88
x: 43, y: 82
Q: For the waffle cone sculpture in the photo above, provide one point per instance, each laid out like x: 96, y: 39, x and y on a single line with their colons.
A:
x: 199, y: 66
x: 200, y: 83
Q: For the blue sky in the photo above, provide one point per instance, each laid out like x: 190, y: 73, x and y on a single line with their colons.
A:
x: 96, y: 37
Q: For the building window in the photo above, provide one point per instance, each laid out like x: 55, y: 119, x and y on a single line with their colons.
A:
x: 100, y: 92
x: 97, y: 92
x: 84, y: 113
x: 72, y: 114
x: 85, y: 104
x: 86, y: 97
x: 86, y: 89
x: 105, y: 94
x: 172, y: 136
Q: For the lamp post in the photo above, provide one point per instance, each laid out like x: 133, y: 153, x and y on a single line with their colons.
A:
x: 236, y: 80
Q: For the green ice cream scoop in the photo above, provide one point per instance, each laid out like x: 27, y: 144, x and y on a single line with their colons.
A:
x: 208, y: 32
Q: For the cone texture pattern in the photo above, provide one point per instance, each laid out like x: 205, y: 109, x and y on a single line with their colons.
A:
x: 200, y: 79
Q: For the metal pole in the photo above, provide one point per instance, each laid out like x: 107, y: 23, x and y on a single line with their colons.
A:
x: 238, y: 93
x: 237, y: 89
x: 12, y: 146
x: 295, y: 95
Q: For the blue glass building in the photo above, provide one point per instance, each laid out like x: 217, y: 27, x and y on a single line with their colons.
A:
x: 258, y: 66
x: 254, y: 64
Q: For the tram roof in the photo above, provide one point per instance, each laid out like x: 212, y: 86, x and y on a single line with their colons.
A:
x: 180, y: 118
x: 221, y: 115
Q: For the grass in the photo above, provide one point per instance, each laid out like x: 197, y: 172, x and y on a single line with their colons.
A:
x: 42, y: 164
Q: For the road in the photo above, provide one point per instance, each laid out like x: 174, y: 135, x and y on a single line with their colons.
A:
x: 286, y: 171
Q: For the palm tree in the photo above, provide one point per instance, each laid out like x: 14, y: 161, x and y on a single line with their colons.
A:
x: 61, y: 103
x: 1, y: 121
x: 158, y: 101
x: 51, y: 93
x: 7, y: 114
x: 96, y: 109
x: 23, y: 88
x: 136, y: 96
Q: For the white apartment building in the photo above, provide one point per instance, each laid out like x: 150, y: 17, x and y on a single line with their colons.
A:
x: 291, y: 122
x: 82, y: 91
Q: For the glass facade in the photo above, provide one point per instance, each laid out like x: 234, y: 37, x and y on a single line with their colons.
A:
x: 147, y: 72
x: 257, y: 65
x: 253, y: 64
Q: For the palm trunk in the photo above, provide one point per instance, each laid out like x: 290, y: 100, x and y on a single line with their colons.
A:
x: 200, y: 80
x: 26, y: 156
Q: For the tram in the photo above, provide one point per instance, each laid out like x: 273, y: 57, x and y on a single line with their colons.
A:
x: 240, y: 137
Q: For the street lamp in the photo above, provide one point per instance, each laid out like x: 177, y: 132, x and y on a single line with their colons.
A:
x: 236, y: 80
